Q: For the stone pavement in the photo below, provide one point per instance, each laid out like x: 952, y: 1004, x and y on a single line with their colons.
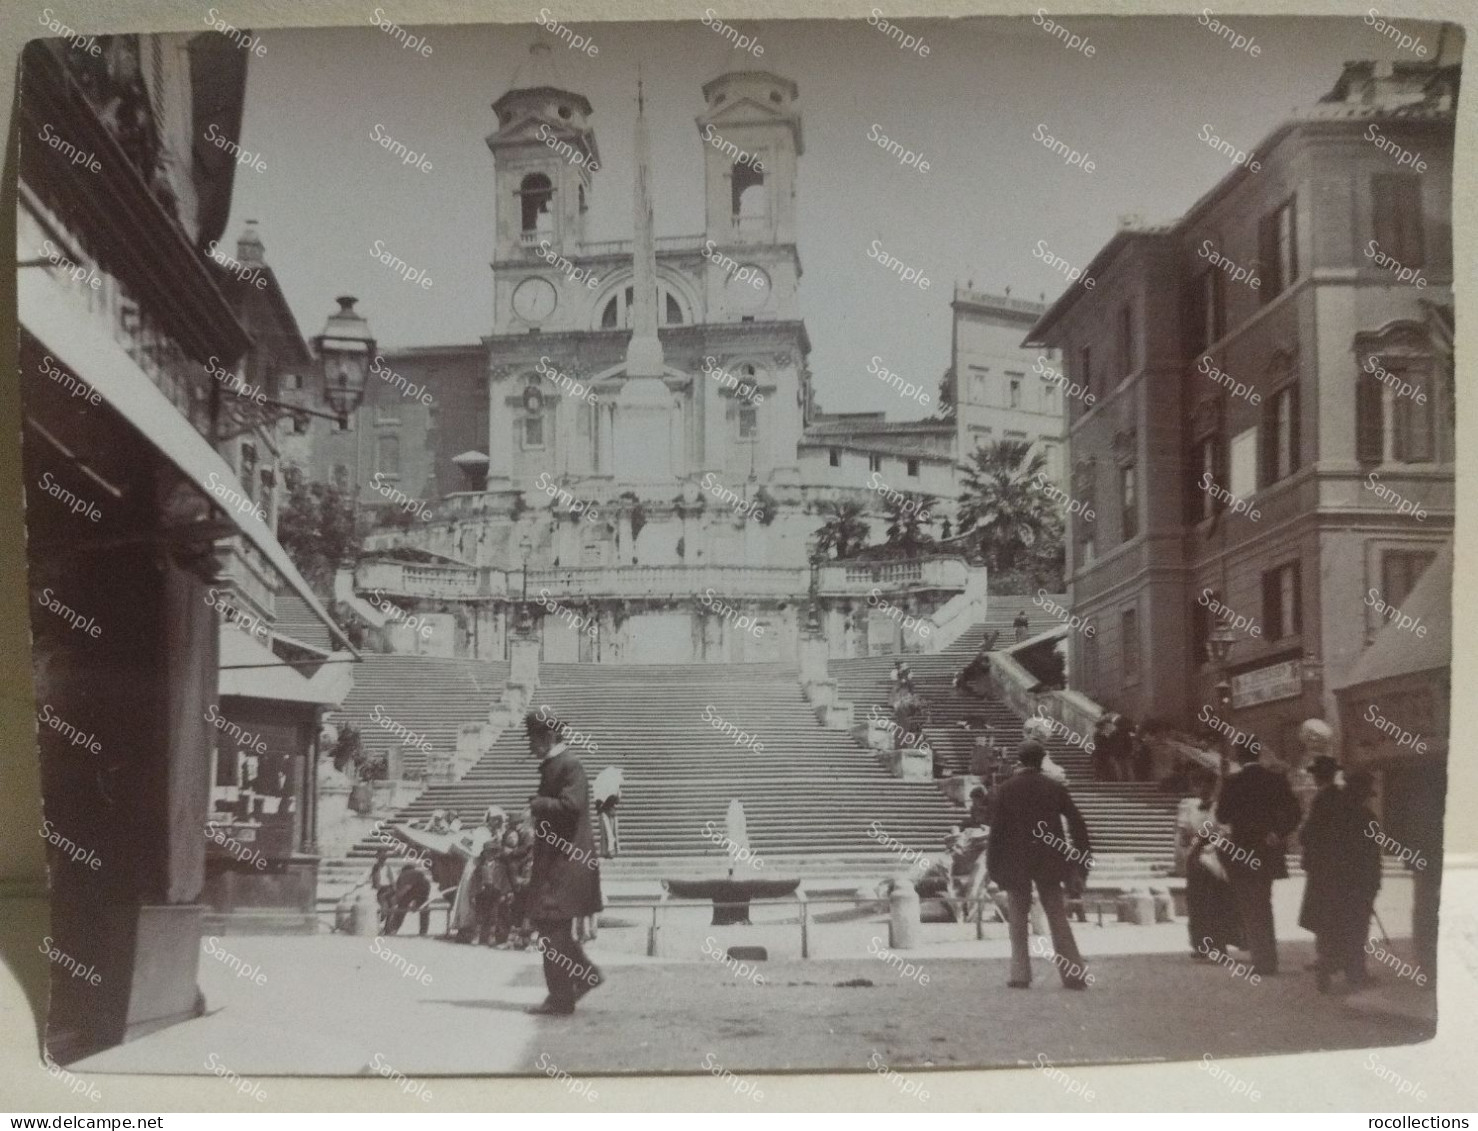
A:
x: 331, y: 1004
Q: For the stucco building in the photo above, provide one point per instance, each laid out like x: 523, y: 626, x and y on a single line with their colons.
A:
x: 1272, y: 440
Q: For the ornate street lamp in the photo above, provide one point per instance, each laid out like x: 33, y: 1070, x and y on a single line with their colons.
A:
x: 1218, y: 650
x: 344, y: 349
x: 813, y: 610
x: 1219, y: 644
x: 525, y: 620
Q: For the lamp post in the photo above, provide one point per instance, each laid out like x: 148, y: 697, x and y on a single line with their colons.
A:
x: 525, y: 621
x: 813, y: 609
x: 345, y: 347
x: 1218, y: 649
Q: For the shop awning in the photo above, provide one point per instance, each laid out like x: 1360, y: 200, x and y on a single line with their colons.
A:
x: 1397, y: 650
x: 253, y: 671
x: 51, y: 315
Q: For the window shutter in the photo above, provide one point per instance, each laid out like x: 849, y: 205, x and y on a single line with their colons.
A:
x: 1267, y: 455
x: 1267, y: 256
x: 1195, y: 315
x: 1408, y: 218
x: 1292, y: 208
x: 1295, y: 435
x: 1295, y: 570
x: 1369, y: 427
x: 1383, y: 198
x: 1272, y: 601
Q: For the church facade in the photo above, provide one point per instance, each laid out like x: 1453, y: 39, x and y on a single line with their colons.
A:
x: 633, y: 459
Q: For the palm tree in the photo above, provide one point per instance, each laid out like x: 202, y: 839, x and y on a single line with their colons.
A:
x: 1005, y: 504
x: 844, y: 532
x: 910, y: 525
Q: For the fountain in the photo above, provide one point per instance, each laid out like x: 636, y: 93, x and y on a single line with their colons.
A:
x: 731, y: 894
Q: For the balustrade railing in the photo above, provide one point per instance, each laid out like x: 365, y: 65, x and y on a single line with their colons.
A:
x: 669, y: 581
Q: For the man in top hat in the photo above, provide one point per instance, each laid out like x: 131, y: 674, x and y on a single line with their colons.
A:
x: 566, y: 870
x: 1027, y: 848
x: 1343, y: 868
x: 1259, y: 806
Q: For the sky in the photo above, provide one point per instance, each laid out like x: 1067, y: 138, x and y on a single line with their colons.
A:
x: 975, y: 107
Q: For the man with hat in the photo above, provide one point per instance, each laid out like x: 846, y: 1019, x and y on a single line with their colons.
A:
x: 1319, y: 837
x: 1342, y: 865
x: 1259, y: 806
x: 566, y: 875
x: 1027, y: 848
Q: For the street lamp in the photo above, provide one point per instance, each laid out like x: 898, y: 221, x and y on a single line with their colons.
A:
x: 1218, y: 649
x: 525, y: 621
x: 813, y: 611
x: 344, y: 350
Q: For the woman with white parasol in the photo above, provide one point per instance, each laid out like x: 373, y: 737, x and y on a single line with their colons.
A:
x: 468, y: 846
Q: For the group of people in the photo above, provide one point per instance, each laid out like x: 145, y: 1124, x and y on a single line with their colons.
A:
x: 1119, y: 751
x: 534, y: 882
x: 1237, y: 829
x: 491, y: 869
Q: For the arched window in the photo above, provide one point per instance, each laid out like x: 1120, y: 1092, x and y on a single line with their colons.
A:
x: 616, y: 314
x: 749, y: 201
x: 537, y: 193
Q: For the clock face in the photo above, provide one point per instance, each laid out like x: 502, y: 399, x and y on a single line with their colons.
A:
x: 534, y: 299
x: 748, y: 288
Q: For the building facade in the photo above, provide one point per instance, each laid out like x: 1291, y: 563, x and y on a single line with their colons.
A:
x: 633, y: 455
x: 1000, y: 389
x: 140, y: 507
x: 1271, y: 446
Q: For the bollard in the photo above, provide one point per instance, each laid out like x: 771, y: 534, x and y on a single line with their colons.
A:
x: 1139, y: 907
x: 1164, y: 906
x: 903, y: 915
x: 365, y: 913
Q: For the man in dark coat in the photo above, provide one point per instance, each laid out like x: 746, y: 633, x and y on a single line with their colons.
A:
x: 1259, y: 806
x: 1026, y: 848
x: 566, y: 874
x: 412, y: 893
x: 1320, y: 837
x: 1343, y: 865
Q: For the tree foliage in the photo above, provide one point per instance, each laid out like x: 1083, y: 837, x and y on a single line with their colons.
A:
x: 1014, y: 523
x: 844, y: 532
x: 319, y: 529
x: 910, y: 522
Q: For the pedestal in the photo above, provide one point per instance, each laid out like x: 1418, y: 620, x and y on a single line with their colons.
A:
x: 813, y: 656
x: 524, y: 661
x: 915, y: 764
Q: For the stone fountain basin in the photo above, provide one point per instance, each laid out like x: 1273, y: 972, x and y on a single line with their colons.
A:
x: 730, y: 897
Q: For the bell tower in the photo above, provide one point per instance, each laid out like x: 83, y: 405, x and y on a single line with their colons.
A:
x: 751, y: 137
x: 544, y: 161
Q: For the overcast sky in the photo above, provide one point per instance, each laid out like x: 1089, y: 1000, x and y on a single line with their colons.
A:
x: 972, y: 107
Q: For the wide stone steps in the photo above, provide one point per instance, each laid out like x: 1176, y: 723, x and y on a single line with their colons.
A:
x: 431, y: 696
x: 808, y: 792
x: 1121, y: 817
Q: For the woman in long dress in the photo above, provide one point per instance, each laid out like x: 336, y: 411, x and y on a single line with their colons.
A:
x: 463, y: 922
x: 1211, y: 914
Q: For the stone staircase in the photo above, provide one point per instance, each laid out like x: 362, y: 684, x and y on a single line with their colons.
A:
x: 809, y: 794
x: 1132, y: 824
x: 430, y: 695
